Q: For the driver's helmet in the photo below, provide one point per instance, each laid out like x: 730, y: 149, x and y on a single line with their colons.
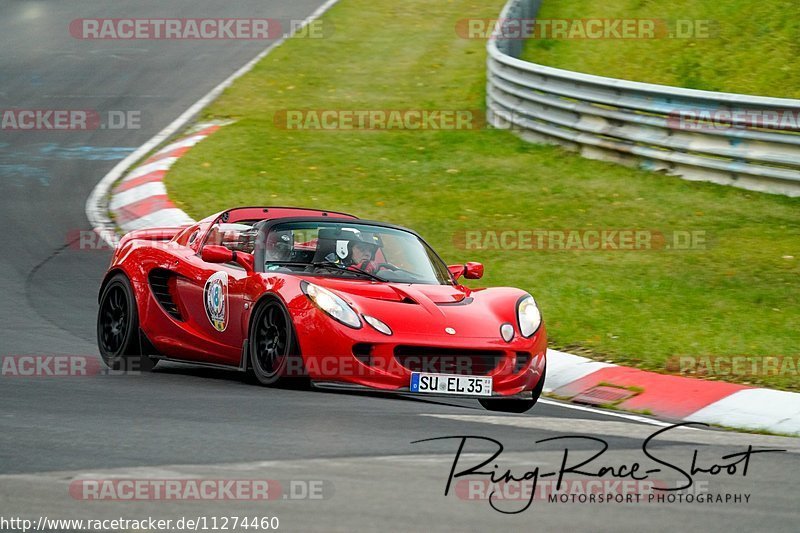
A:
x: 359, y: 250
x: 279, y: 246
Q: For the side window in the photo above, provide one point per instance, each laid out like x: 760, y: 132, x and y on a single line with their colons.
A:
x: 235, y: 237
x: 187, y: 236
x: 193, y: 237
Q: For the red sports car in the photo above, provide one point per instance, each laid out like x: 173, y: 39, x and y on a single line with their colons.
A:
x: 287, y: 293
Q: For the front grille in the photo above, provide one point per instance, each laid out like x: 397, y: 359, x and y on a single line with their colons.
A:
x: 448, y: 360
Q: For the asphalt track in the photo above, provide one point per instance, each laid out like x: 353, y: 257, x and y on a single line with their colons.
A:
x: 184, y: 422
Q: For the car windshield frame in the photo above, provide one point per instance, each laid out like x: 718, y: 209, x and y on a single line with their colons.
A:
x: 441, y: 273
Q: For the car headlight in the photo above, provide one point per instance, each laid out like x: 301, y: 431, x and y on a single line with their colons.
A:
x: 331, y: 304
x: 528, y: 316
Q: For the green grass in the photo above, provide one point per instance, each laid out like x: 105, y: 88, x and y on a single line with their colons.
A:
x: 738, y: 296
x: 754, y: 50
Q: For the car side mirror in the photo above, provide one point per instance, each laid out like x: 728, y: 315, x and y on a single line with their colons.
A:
x: 456, y: 270
x: 213, y: 253
x: 469, y: 270
x: 473, y: 270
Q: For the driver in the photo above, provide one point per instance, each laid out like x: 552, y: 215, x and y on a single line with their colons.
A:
x: 362, y: 255
x: 278, y: 246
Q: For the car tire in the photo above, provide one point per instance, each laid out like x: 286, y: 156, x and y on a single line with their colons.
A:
x: 118, y: 327
x: 273, y: 353
x: 516, y: 406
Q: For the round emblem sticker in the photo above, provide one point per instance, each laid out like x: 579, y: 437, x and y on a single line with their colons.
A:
x: 215, y: 296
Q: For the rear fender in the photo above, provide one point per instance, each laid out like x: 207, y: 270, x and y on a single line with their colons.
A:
x: 151, y: 234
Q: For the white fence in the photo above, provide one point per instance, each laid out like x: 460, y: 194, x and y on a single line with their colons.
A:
x: 746, y: 141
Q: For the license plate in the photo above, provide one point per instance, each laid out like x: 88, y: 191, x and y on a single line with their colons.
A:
x: 451, y: 384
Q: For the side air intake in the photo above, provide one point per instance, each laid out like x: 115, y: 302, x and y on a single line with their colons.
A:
x: 160, y: 285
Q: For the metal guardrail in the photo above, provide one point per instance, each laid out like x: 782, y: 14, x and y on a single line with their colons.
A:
x: 656, y: 127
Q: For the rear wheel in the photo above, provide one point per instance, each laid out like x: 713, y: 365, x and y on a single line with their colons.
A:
x: 516, y: 406
x: 118, y: 327
x: 273, y: 349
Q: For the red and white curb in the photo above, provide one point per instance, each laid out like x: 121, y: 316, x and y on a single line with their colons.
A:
x: 675, y: 397
x: 140, y: 200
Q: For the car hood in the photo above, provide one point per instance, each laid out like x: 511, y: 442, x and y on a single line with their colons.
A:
x: 415, y: 309
x: 396, y: 292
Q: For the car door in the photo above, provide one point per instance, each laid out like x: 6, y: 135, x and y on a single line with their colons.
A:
x: 213, y: 295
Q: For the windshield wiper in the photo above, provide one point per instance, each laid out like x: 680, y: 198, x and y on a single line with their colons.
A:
x: 351, y: 268
x: 328, y: 264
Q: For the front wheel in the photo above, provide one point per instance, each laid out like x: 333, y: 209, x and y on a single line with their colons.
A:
x: 515, y: 406
x: 272, y: 346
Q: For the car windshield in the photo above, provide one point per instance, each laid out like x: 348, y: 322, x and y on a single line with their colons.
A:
x: 349, y: 249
